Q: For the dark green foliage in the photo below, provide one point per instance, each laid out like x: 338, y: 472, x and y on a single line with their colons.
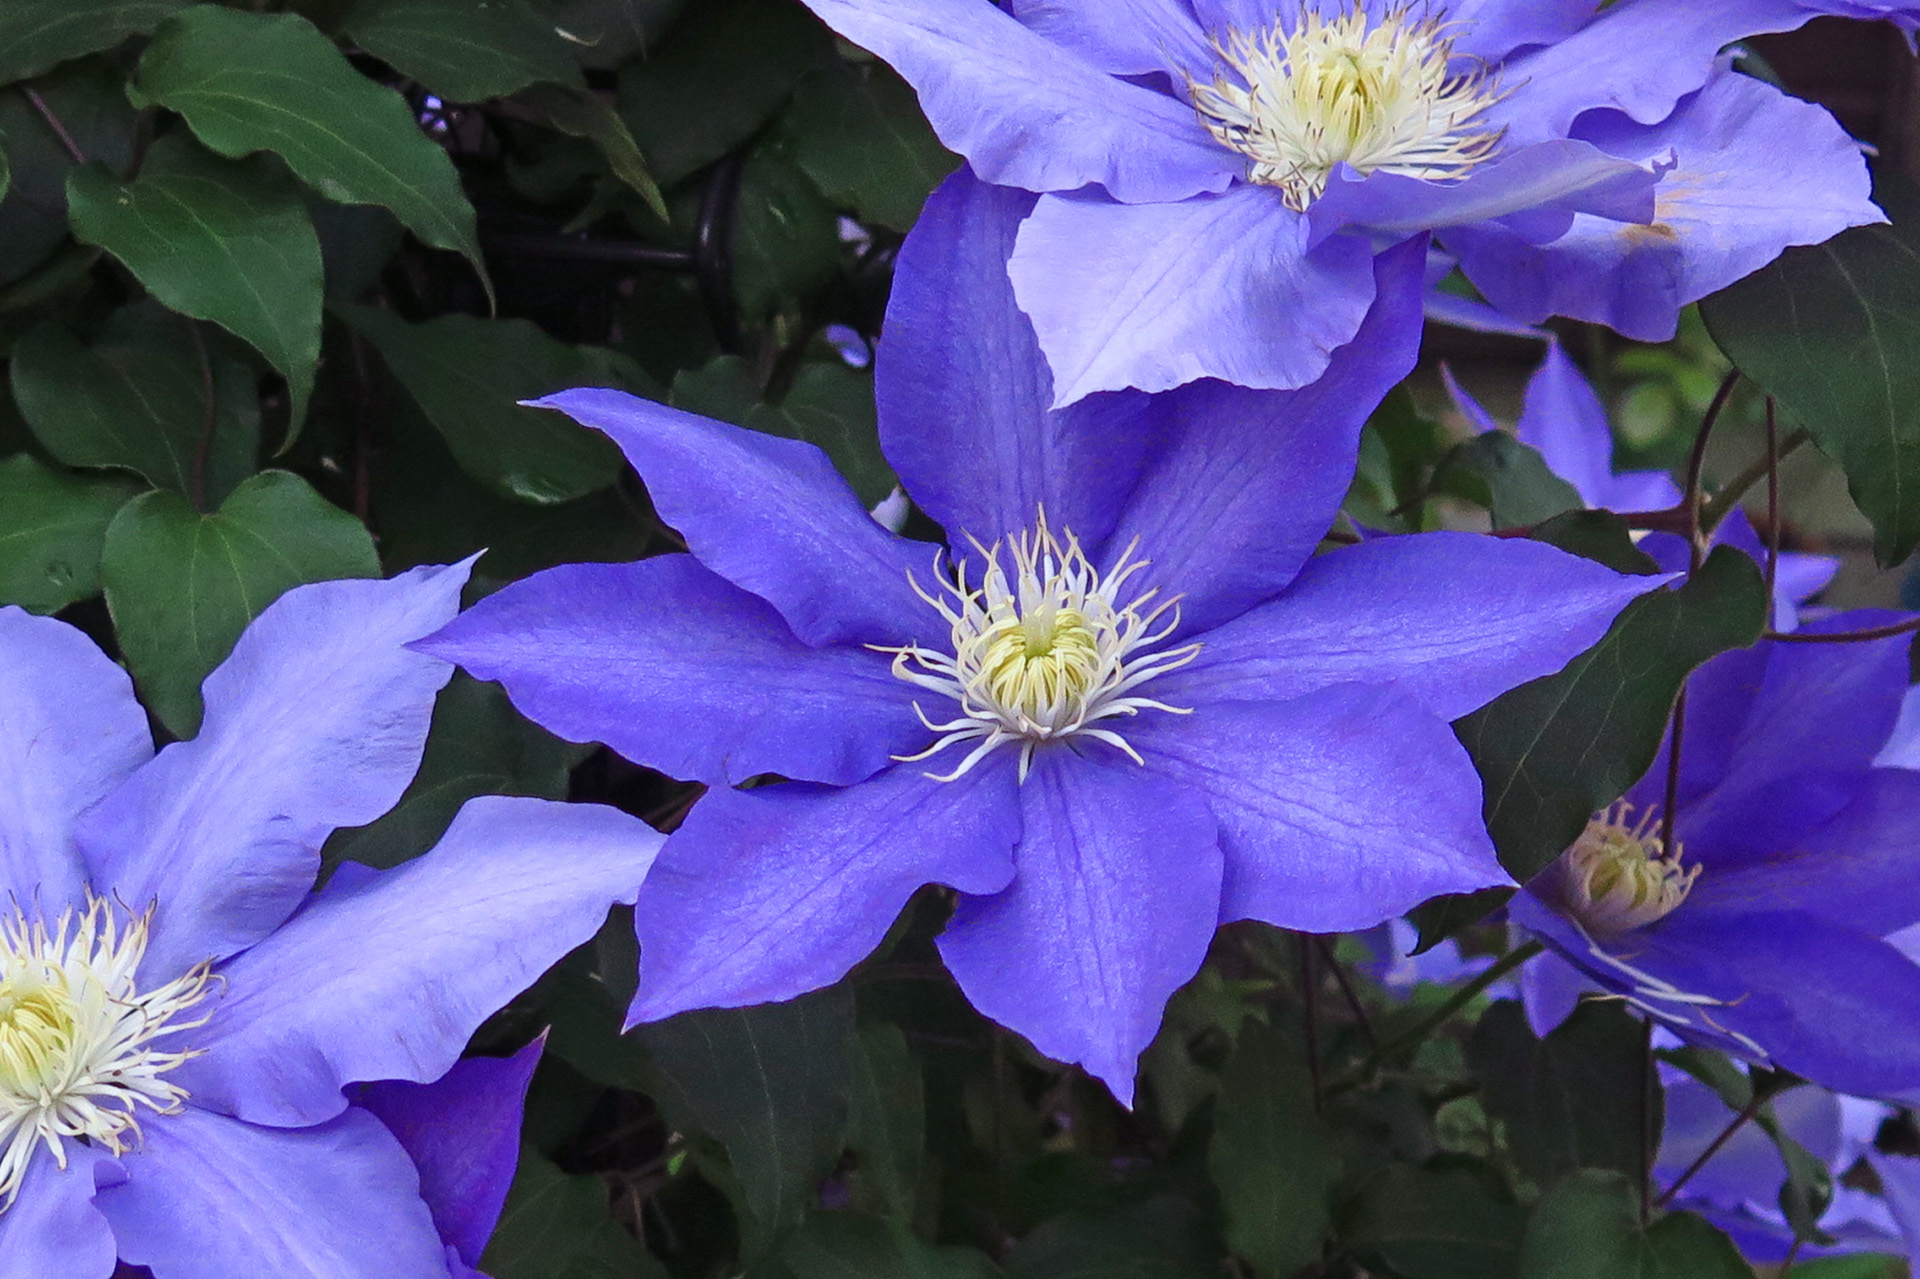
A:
x: 1588, y: 1226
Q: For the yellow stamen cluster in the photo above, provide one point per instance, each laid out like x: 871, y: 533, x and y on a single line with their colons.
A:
x: 76, y: 1054
x: 1310, y: 93
x: 1618, y: 876
x: 1045, y: 647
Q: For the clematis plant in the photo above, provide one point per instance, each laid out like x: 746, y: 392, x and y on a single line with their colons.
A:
x: 1128, y: 704
x: 179, y: 1012
x: 1215, y: 176
x: 1758, y: 927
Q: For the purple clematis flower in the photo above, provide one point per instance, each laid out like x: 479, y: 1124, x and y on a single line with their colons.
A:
x: 1562, y: 417
x: 1761, y: 931
x: 179, y: 1013
x: 1217, y: 175
x: 1129, y: 707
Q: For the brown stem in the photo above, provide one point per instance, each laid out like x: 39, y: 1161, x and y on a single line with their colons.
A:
x: 1907, y: 627
x: 1730, y: 494
x: 1714, y: 1147
x: 45, y: 112
x: 1347, y: 991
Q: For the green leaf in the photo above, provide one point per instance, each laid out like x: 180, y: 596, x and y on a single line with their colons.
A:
x: 1863, y: 1265
x: 1508, y: 478
x: 37, y: 35
x: 769, y: 1083
x: 858, y: 132
x: 1600, y: 536
x: 220, y: 240
x: 1588, y: 1227
x: 1163, y: 1238
x: 138, y: 398
x: 479, y: 745
x: 844, y: 1245
x: 1833, y: 331
x: 581, y: 114
x: 258, y: 82
x: 467, y: 375
x: 887, y: 1122
x: 1571, y: 1100
x: 554, y: 1226
x: 786, y: 237
x: 721, y: 72
x: 1435, y: 1225
x: 182, y: 586
x: 1441, y: 917
x: 1270, y: 1156
x: 1553, y: 752
x: 6, y: 169
x: 607, y: 33
x: 87, y: 98
x: 828, y: 405
x: 464, y: 50
x: 52, y: 527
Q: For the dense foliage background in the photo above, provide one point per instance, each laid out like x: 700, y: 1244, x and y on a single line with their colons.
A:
x: 272, y: 276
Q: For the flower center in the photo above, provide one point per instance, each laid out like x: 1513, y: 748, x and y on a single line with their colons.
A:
x: 76, y: 1059
x: 1044, y: 647
x: 1310, y: 93
x: 1618, y: 877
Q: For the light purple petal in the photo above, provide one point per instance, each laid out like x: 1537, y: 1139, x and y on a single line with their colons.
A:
x: 1641, y: 57
x: 208, y: 1197
x: 1492, y: 29
x: 70, y: 731
x: 1243, y: 484
x: 766, y: 894
x: 1902, y: 749
x: 1027, y: 112
x: 1113, y: 904
x: 1125, y: 37
x: 771, y: 516
x: 1337, y: 810
x: 315, y: 722
x: 387, y: 979
x: 1560, y: 178
x: 1155, y: 296
x: 680, y: 670
x: 1563, y: 418
x: 1900, y: 1182
x: 53, y: 1230
x: 1452, y: 619
x: 1748, y: 1167
x: 964, y: 392
x: 1468, y: 407
x: 1860, y: 869
x: 1757, y: 171
x: 463, y: 1133
x: 1550, y: 988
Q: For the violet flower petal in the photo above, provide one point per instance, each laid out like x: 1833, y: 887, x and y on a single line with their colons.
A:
x: 770, y: 515
x: 1112, y: 908
x: 766, y: 894
x: 73, y: 732
x: 680, y: 670
x: 1337, y: 810
x: 54, y: 1230
x: 209, y: 1197
x: 315, y: 722
x: 511, y: 887
x: 1125, y: 37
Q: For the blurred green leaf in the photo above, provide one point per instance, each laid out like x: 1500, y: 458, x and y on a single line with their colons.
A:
x: 857, y: 131
x: 479, y: 745
x: 772, y: 1085
x: 1833, y: 331
x: 718, y: 75
x: 1553, y: 752
x: 182, y: 586
x: 468, y: 374
x: 220, y: 240
x: 1863, y: 1265
x: 52, y: 528
x: 1270, y: 1155
x: 828, y: 405
x: 556, y: 1226
x: 1435, y: 1225
x: 37, y: 35
x: 1588, y: 1227
x: 581, y: 114
x: 87, y: 98
x: 464, y: 50
x: 271, y: 82
x: 786, y: 237
x: 138, y: 398
x: 887, y: 1122
x: 844, y: 1245
x: 6, y: 169
x: 1571, y: 1100
x: 606, y: 33
x: 1164, y: 1238
x: 1509, y: 479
